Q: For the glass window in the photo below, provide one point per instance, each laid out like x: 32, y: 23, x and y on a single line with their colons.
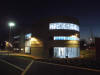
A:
x: 63, y: 26
x: 63, y: 52
x: 65, y: 38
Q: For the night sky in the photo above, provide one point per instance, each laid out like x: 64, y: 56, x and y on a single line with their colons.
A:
x: 25, y: 13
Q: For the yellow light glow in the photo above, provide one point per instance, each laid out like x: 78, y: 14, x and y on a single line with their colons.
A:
x: 7, y: 44
x: 73, y: 36
x: 35, y: 42
x: 34, y: 39
x: 73, y: 42
x: 76, y: 35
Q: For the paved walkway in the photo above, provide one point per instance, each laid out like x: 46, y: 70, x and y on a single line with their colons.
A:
x: 18, y: 54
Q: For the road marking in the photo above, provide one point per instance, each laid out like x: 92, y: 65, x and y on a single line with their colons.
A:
x: 27, y: 68
x: 71, y: 66
x: 17, y: 67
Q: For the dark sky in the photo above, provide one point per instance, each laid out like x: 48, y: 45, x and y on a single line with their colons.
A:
x: 25, y: 13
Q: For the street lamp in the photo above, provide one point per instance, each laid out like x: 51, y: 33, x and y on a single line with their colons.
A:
x: 10, y: 24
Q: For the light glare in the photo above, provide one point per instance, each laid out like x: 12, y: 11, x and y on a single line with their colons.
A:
x: 11, y: 24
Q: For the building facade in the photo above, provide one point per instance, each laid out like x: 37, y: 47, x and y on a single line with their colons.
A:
x: 64, y: 37
x: 54, y: 37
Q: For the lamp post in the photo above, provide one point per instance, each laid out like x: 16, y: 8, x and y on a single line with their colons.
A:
x: 10, y: 24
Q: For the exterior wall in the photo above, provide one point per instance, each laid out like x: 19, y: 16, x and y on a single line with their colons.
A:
x: 19, y: 43
x: 37, y: 48
x: 68, y: 48
x: 97, y: 45
x: 33, y: 46
x: 63, y: 48
x: 37, y: 51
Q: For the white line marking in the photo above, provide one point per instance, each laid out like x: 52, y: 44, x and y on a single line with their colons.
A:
x: 27, y: 68
x: 71, y: 66
x: 17, y: 67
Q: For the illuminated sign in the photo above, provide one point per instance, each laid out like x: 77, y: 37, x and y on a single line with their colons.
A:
x: 65, y: 38
x: 63, y: 26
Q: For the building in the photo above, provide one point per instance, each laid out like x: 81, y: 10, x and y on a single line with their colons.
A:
x: 54, y: 37
x: 19, y: 43
x: 64, y: 37
x: 33, y: 45
x: 97, y: 46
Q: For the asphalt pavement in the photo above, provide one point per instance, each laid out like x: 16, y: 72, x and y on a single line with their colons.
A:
x: 17, y: 60
x: 6, y: 69
x: 13, y: 65
x: 41, y: 68
x: 33, y: 67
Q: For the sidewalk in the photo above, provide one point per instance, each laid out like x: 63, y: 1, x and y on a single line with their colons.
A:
x: 26, y: 55
x: 19, y: 54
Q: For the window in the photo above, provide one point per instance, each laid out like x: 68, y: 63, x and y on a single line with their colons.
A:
x: 28, y: 36
x: 64, y: 52
x: 63, y: 26
x: 65, y: 38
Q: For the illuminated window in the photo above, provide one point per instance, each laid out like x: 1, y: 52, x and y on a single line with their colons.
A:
x: 64, y: 52
x: 27, y: 50
x: 65, y: 38
x: 28, y: 36
x: 63, y: 26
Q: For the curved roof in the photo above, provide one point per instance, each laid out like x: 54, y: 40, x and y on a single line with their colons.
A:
x: 68, y: 19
